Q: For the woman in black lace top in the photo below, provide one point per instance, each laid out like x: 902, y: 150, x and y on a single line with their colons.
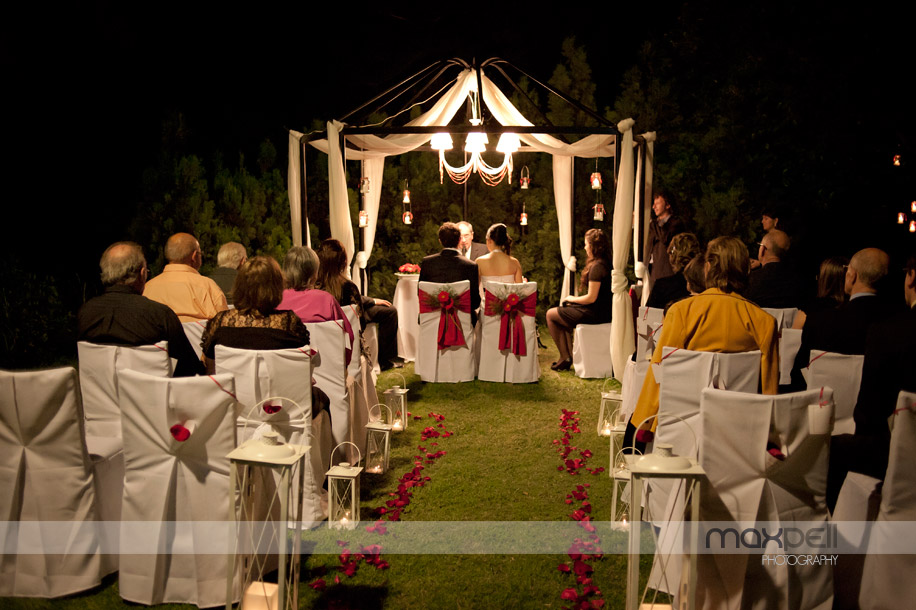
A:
x: 255, y: 323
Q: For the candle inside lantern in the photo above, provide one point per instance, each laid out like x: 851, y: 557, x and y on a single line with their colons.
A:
x: 606, y: 431
x: 901, y: 218
x: 375, y: 469
x: 397, y: 425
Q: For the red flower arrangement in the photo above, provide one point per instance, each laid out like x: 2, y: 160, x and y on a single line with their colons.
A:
x: 409, y: 268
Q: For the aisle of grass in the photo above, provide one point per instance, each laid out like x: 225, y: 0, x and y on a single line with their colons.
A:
x: 501, y: 464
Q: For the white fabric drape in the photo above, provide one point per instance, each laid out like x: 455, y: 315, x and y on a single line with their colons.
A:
x: 293, y: 182
x: 642, y: 212
x: 339, y: 217
x: 622, y: 335
x: 376, y: 148
x: 562, y: 195
x: 374, y: 169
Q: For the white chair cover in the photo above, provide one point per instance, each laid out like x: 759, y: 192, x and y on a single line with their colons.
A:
x: 789, y: 344
x: 329, y: 368
x: 503, y: 365
x: 843, y: 373
x: 408, y: 306
x: 360, y: 388
x: 887, y: 580
x: 682, y: 376
x: 592, y: 350
x: 170, y: 481
x: 784, y: 317
x: 286, y: 373
x: 452, y: 364
x: 99, y: 366
x: 195, y: 333
x: 633, y: 377
x: 45, y: 477
x: 370, y: 336
x: 647, y: 324
x: 747, y: 485
x: 859, y: 501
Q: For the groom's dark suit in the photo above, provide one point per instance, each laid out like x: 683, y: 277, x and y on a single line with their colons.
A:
x: 449, y: 266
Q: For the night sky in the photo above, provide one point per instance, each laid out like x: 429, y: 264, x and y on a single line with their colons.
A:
x: 88, y: 87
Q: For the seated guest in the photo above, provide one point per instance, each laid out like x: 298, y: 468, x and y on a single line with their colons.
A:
x: 123, y: 316
x: 332, y: 278
x: 774, y: 284
x: 300, y: 267
x: 695, y: 274
x: 717, y: 320
x: 593, y: 307
x: 890, y: 360
x: 497, y: 265
x: 831, y: 289
x: 449, y: 266
x: 469, y: 248
x: 843, y: 330
x: 180, y: 286
x: 229, y: 258
x: 683, y: 247
x: 255, y: 323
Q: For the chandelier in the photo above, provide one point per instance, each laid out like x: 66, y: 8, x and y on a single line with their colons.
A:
x: 475, y: 145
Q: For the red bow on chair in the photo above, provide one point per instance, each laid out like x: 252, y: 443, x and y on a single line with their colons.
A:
x: 450, y: 331
x: 511, y: 310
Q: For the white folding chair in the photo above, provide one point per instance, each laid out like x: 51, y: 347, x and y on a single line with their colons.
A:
x: 682, y: 376
x: 50, y: 535
x: 887, y: 578
x: 748, y: 485
x: 99, y: 366
x: 329, y: 369
x: 859, y: 501
x: 451, y: 364
x: 174, y: 489
x: 194, y: 331
x: 789, y: 344
x: 518, y: 362
x: 648, y: 321
x: 843, y: 373
x: 634, y: 375
x: 592, y: 350
x: 287, y: 373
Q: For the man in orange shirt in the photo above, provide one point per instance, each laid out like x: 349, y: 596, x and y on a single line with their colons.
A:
x: 180, y: 286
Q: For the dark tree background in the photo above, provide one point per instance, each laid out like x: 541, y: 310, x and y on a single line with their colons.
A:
x: 128, y: 123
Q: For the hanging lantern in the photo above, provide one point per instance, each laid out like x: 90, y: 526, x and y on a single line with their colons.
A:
x: 913, y: 226
x: 913, y: 207
x: 599, y: 211
x: 523, y: 219
x: 901, y: 218
x: 610, y: 417
x: 378, y: 442
x: 406, y: 196
x: 364, y: 185
x: 525, y: 180
x: 363, y: 219
x: 343, y: 492
x: 596, y: 181
x: 396, y: 399
x: 897, y: 160
x: 407, y: 217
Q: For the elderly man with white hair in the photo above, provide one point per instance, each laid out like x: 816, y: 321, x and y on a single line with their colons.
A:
x: 469, y: 248
x: 230, y: 258
x: 181, y: 286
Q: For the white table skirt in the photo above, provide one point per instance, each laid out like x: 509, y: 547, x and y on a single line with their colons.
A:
x: 408, y: 305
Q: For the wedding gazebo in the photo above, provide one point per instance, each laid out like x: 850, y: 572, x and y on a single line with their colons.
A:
x: 468, y: 85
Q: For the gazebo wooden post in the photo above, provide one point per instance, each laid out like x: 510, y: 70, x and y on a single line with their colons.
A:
x: 362, y: 232
x: 572, y: 225
x: 304, y: 198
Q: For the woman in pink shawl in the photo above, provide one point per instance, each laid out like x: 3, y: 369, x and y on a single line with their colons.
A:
x: 300, y: 267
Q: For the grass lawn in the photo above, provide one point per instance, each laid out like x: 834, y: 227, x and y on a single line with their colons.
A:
x: 501, y: 463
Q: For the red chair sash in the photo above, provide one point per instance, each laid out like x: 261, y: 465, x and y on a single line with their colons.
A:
x: 450, y: 331
x: 511, y: 310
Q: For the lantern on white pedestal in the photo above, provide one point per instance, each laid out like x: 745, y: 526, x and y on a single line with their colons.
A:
x: 610, y: 418
x: 378, y: 441
x: 265, y: 471
x: 343, y: 492
x: 396, y: 399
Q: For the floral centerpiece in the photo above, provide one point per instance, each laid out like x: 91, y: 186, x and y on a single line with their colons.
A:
x: 409, y: 268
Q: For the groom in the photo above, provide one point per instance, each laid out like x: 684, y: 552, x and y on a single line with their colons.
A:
x: 449, y: 266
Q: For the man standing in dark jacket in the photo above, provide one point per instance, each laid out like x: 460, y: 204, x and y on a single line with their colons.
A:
x: 662, y: 228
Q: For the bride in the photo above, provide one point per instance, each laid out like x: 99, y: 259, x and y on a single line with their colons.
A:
x: 497, y: 265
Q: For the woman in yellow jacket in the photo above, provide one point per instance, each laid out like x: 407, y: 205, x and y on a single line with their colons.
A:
x: 716, y: 320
